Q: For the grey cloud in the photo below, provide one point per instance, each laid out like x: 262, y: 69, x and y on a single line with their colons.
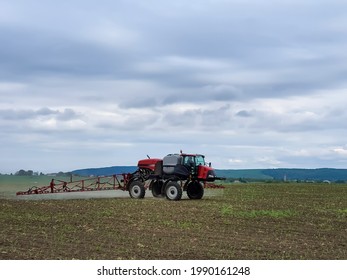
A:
x: 228, y: 39
x: 292, y: 121
x: 244, y: 114
x: 15, y: 115
x: 46, y: 111
x: 209, y: 119
x: 30, y: 53
x: 68, y: 114
x: 10, y: 114
x: 129, y: 125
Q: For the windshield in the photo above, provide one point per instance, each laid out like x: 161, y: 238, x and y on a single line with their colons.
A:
x: 200, y: 160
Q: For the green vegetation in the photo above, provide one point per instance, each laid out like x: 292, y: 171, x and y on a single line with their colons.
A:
x: 245, y: 221
x: 227, y: 210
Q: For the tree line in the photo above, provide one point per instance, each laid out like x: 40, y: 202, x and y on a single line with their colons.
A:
x: 23, y: 172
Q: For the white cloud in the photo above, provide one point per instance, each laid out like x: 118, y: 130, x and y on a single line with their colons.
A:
x: 235, y: 161
x: 11, y: 87
x: 341, y: 151
x: 111, y: 35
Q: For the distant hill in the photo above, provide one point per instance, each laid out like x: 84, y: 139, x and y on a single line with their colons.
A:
x: 319, y: 174
x: 104, y: 171
x: 257, y: 174
x: 289, y: 174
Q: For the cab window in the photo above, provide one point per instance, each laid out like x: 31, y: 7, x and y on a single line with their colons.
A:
x: 189, y: 161
x: 200, y: 160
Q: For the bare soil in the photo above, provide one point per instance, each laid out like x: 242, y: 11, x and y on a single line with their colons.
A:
x: 246, y: 221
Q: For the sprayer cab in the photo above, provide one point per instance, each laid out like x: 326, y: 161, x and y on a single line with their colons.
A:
x: 197, y: 166
x: 182, y: 166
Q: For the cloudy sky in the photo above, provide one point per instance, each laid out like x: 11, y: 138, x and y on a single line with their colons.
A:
x: 248, y: 83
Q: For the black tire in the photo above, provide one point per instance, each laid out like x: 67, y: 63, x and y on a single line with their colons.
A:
x: 173, y: 191
x: 157, y: 188
x: 137, y: 189
x: 195, y: 190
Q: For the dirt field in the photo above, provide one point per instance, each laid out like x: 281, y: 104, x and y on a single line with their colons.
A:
x: 245, y: 221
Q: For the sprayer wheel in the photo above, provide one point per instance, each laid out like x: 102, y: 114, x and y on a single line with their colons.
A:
x: 137, y: 189
x: 195, y: 190
x: 173, y: 191
x: 157, y: 188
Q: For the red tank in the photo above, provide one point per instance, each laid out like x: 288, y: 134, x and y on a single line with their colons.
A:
x: 148, y: 163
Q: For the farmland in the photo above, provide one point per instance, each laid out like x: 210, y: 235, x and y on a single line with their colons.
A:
x: 243, y: 221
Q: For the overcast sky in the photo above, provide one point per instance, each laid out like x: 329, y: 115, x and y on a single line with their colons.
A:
x: 248, y: 83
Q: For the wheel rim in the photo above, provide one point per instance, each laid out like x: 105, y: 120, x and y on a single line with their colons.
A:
x: 135, y: 190
x: 172, y: 192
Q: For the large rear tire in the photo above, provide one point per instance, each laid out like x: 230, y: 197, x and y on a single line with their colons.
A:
x: 173, y: 191
x: 157, y: 188
x: 137, y: 189
x: 195, y: 190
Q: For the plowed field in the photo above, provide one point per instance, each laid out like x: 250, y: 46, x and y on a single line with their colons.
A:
x: 245, y: 221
